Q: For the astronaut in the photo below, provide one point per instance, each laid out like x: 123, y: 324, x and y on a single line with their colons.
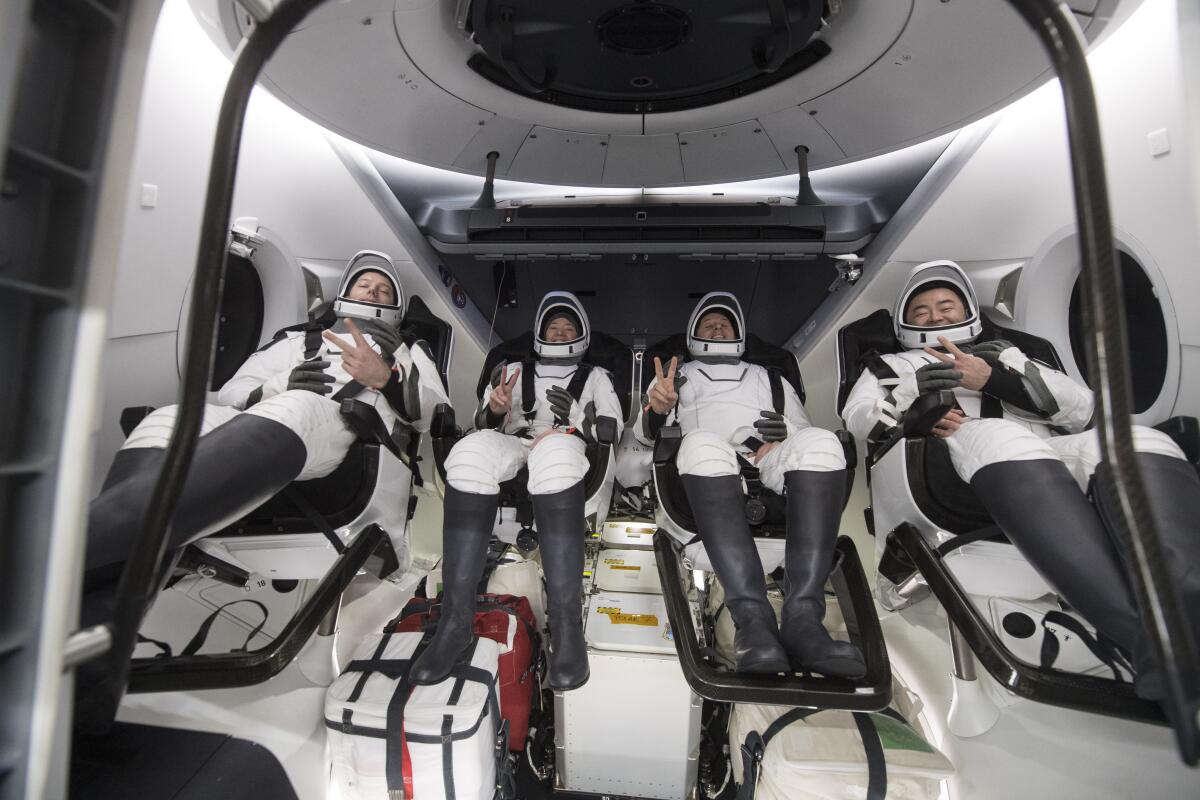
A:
x: 279, y: 421
x: 1019, y: 436
x: 536, y: 414
x: 724, y: 407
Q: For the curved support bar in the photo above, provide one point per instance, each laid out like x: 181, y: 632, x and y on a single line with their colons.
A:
x: 872, y: 693
x: 225, y: 670
x: 139, y: 579
x: 1069, y: 690
x: 1108, y: 364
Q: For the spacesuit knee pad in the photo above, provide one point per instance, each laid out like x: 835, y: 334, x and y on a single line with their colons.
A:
x: 812, y: 450
x: 155, y: 430
x: 981, y: 442
x: 479, y: 461
x: 706, y: 455
x: 1149, y: 440
x: 557, y: 462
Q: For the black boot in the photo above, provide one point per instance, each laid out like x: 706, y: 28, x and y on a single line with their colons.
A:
x: 236, y: 467
x: 561, y: 527
x: 1040, y: 508
x: 719, y: 508
x: 466, y: 528
x: 1173, y: 490
x: 814, y: 508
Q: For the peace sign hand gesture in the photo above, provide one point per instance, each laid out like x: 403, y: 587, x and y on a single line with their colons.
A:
x: 500, y: 400
x: 359, y: 359
x: 662, y: 396
x: 975, y: 371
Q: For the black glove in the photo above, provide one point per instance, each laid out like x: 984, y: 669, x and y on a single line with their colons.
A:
x: 936, y: 377
x: 990, y: 351
x: 562, y: 405
x: 311, y: 377
x: 387, y: 337
x: 771, y: 426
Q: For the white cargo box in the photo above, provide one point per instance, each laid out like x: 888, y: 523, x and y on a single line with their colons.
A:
x: 634, y: 623
x: 628, y: 571
x: 633, y: 730
x: 628, y: 534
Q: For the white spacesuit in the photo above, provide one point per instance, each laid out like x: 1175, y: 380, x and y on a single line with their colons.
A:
x: 283, y: 423
x: 728, y: 407
x: 1021, y: 441
x: 536, y: 413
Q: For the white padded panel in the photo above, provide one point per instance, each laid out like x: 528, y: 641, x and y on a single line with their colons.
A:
x: 729, y: 153
x: 554, y: 156
x: 403, y: 110
x: 643, y: 160
x: 502, y: 134
x: 795, y: 126
x: 895, y: 100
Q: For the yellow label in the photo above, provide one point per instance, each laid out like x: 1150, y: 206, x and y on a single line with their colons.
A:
x: 614, y: 561
x: 618, y: 617
x: 638, y: 531
x: 635, y: 569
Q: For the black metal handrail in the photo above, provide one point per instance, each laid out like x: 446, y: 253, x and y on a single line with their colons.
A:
x: 139, y: 578
x: 1108, y: 363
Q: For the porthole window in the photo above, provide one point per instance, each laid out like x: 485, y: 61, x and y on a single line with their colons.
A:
x: 1146, y: 333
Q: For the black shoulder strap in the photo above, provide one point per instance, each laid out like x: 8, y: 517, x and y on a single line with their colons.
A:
x: 578, y: 380
x: 776, y: 380
x: 312, y: 339
x: 528, y: 396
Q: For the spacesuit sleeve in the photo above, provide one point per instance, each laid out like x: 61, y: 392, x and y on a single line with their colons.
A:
x: 873, y: 407
x: 793, y: 409
x: 1046, y: 395
x: 601, y: 391
x: 484, y: 416
x: 420, y: 389
x: 648, y: 423
x: 268, y: 370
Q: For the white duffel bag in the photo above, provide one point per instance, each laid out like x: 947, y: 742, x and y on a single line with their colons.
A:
x: 388, y: 739
x: 799, y: 754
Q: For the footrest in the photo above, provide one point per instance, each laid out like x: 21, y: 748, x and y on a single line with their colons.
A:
x: 871, y: 693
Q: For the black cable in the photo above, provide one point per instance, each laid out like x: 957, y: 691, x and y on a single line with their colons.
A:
x: 1108, y: 364
x: 139, y: 579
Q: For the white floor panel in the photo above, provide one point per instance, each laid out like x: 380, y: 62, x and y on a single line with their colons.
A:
x: 1035, y: 750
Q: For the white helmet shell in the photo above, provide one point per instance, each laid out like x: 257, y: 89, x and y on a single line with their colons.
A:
x: 944, y: 273
x: 717, y: 348
x: 561, y: 352
x: 370, y: 261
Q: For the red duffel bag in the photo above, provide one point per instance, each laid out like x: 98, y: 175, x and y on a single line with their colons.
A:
x: 507, y: 620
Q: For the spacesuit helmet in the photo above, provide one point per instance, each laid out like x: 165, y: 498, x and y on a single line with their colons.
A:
x: 724, y: 303
x: 937, y: 275
x: 553, y: 306
x: 370, y: 261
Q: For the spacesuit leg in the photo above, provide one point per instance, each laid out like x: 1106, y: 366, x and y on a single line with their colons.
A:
x: 812, y: 466
x: 1173, y: 492
x: 1041, y: 509
x: 557, y: 467
x: 709, y: 471
x: 474, y: 469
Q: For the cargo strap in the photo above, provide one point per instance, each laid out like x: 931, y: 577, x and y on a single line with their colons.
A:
x: 201, y: 635
x: 1102, y: 648
x: 756, y: 744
